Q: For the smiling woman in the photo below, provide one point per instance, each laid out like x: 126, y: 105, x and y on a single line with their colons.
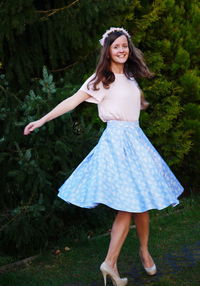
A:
x: 119, y: 52
x: 119, y: 55
x: 123, y: 171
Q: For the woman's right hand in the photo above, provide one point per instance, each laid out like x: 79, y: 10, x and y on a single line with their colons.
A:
x: 63, y: 107
x: 32, y: 126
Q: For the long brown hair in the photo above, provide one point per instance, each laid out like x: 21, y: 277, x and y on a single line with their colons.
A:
x: 135, y: 65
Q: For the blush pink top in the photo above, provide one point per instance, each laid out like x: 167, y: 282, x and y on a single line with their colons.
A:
x: 120, y: 102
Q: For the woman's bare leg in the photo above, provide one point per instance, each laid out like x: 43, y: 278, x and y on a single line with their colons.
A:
x: 142, y: 227
x: 119, y: 233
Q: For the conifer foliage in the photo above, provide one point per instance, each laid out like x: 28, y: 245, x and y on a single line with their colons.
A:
x: 47, y: 48
x: 168, y: 33
x: 54, y: 33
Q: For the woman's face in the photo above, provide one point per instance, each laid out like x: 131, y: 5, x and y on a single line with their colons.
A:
x: 119, y: 50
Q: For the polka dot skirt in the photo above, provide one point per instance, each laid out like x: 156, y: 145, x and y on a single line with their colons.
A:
x: 123, y: 171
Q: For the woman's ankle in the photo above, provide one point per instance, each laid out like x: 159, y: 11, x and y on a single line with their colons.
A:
x: 110, y: 263
x: 144, y: 249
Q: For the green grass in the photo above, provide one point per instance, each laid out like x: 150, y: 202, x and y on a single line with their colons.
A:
x: 174, y: 244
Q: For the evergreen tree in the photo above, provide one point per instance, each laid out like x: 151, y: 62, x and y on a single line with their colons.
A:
x: 167, y: 32
x: 53, y: 33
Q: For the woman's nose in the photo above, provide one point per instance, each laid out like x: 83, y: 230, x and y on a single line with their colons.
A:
x: 121, y: 49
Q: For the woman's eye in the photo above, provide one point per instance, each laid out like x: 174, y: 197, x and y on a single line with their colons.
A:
x: 117, y: 47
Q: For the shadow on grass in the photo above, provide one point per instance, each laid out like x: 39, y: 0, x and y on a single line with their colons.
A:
x: 175, y: 245
x: 168, y: 267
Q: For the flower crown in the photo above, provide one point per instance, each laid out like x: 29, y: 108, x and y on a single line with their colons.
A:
x: 113, y: 29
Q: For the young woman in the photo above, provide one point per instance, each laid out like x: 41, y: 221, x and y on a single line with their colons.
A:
x: 123, y: 171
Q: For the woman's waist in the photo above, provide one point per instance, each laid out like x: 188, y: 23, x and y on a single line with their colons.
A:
x: 123, y: 123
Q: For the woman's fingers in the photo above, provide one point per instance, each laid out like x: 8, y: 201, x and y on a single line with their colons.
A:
x: 29, y: 128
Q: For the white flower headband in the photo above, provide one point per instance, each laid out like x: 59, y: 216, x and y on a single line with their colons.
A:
x: 113, y: 29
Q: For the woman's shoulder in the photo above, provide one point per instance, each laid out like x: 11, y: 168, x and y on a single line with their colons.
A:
x: 134, y: 80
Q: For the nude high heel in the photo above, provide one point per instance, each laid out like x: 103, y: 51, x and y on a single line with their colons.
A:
x: 149, y: 270
x: 116, y: 280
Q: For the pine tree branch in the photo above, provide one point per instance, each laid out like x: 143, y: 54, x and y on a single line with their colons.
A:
x: 53, y: 11
x: 13, y: 265
x: 74, y: 63
x: 66, y: 67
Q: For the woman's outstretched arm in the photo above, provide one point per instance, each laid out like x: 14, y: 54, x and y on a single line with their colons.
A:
x: 66, y: 105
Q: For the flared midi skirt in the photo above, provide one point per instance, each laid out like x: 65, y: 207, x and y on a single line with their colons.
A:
x: 123, y: 171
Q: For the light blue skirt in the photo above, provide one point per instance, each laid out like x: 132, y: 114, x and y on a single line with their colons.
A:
x: 124, y: 172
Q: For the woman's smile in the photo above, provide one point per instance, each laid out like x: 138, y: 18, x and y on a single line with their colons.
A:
x: 119, y: 50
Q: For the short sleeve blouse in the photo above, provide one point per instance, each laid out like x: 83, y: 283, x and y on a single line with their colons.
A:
x: 121, y: 101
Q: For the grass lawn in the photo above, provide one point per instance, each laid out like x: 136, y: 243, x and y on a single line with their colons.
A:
x: 174, y: 244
